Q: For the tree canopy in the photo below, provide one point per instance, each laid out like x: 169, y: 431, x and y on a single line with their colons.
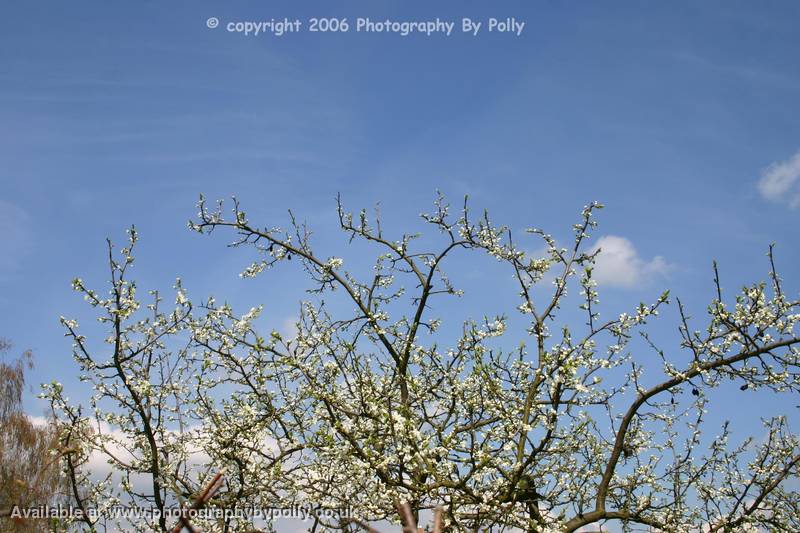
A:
x: 555, y: 426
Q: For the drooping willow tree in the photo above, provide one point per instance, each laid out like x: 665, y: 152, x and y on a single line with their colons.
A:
x: 29, y: 469
x: 562, y: 426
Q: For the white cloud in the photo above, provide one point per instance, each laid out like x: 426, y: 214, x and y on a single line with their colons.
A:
x: 780, y: 182
x: 38, y: 421
x: 618, y: 264
x: 119, y: 445
x: 288, y: 328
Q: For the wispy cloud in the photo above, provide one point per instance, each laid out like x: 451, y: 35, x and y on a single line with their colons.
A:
x: 15, y: 237
x: 619, y: 265
x: 780, y: 182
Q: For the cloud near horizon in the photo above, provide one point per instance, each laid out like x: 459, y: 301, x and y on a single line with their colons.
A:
x: 619, y: 265
x: 780, y: 182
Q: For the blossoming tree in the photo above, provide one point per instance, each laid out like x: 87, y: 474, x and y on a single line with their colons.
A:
x: 561, y: 427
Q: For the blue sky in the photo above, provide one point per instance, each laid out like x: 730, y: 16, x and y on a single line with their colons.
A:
x: 117, y: 113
